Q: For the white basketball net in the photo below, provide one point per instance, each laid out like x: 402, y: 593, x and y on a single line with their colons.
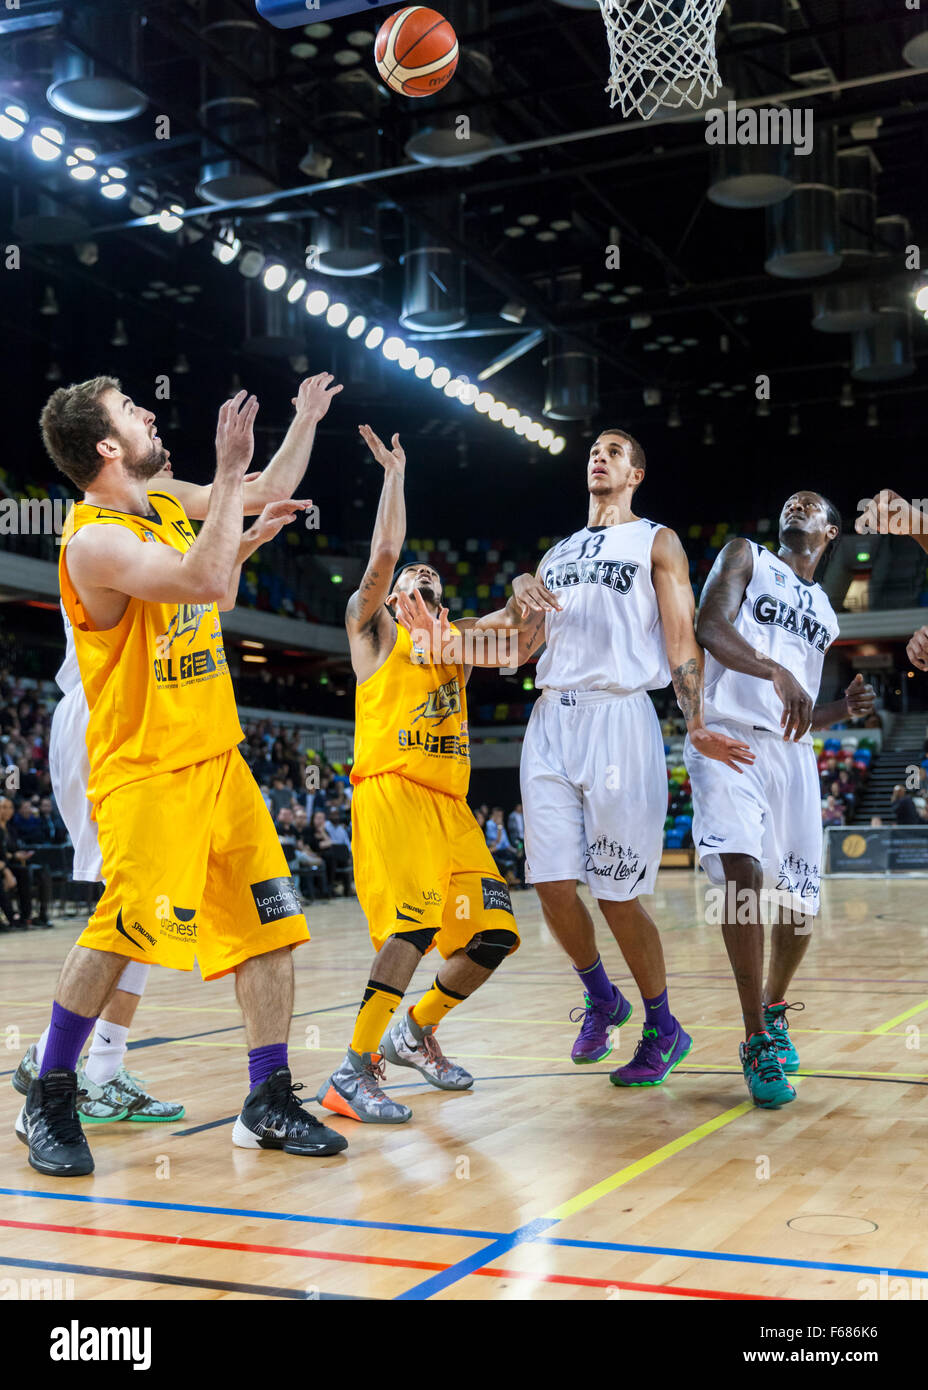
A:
x: 662, y: 53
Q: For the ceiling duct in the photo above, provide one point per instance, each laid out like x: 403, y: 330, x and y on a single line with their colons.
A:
x: 40, y: 220
x: 756, y: 175
x: 95, y: 89
x: 884, y: 353
x: 273, y: 326
x: 802, y: 231
x: 457, y: 139
x: 915, y: 50
x: 230, y: 108
x: 843, y: 309
x: 347, y: 234
x: 572, y: 391
x: 893, y: 237
x: 433, y: 281
x: 857, y: 170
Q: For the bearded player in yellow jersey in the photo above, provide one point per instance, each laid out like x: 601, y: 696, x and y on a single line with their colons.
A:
x: 424, y: 874
x: 191, y: 860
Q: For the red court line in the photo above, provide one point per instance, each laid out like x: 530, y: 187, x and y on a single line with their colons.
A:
x: 393, y: 1263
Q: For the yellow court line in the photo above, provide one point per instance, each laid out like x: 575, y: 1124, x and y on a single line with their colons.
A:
x: 641, y: 1165
x: 900, y: 1018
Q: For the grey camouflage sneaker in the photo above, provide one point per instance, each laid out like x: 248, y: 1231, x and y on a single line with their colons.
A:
x: 99, y: 1105
x: 143, y: 1107
x: 27, y: 1071
x: 407, y: 1045
x: 354, y: 1091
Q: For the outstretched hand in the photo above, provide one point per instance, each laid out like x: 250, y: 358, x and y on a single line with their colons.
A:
x: 860, y: 698
x: 235, y: 435
x: 393, y: 459
x: 315, y: 395
x: 430, y: 632
x: 274, y: 517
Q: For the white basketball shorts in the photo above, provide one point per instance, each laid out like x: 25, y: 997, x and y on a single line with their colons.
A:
x: 69, y: 770
x: 772, y: 811
x: 594, y: 792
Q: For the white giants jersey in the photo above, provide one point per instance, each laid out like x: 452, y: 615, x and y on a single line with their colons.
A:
x: 782, y: 617
x: 608, y: 634
x: 69, y: 766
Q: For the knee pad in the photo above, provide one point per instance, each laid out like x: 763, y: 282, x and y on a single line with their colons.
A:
x: 491, y: 948
x: 421, y: 939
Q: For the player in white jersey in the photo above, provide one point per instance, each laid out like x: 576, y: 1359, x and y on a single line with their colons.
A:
x: 594, y: 781
x: 766, y: 627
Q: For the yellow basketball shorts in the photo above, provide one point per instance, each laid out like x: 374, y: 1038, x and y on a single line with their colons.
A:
x: 194, y: 870
x: 421, y: 860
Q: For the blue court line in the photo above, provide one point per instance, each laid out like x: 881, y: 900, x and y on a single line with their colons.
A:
x: 261, y: 1215
x: 436, y: 1282
x: 725, y: 1257
x: 186, y: 1281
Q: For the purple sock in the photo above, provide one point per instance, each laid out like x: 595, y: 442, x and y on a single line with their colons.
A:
x: 67, y: 1034
x: 596, y: 982
x: 262, y: 1061
x: 657, y: 1014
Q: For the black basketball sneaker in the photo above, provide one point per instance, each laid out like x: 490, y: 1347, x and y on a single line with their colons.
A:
x: 273, y: 1118
x: 48, y: 1123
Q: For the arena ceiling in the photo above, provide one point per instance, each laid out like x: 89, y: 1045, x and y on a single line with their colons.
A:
x: 680, y: 328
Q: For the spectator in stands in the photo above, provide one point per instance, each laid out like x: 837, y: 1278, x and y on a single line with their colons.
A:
x: 314, y: 878
x: 904, y: 809
x: 53, y: 827
x: 281, y: 794
x: 15, y: 857
x: 876, y: 822
x: 516, y: 827
x: 480, y: 817
x: 832, y: 813
x: 334, y: 855
x: 504, y: 856
x: 827, y: 775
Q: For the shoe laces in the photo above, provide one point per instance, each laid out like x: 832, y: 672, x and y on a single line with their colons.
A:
x: 371, y: 1076
x: 434, y: 1053
x: 647, y: 1052
x: 777, y: 1015
x: 60, y: 1106
x: 763, y: 1059
x: 595, y: 1014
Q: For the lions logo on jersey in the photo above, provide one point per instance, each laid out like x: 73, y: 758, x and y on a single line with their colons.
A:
x: 440, y: 704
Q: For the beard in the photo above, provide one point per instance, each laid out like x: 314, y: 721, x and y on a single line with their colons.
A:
x: 428, y: 595
x: 145, y: 467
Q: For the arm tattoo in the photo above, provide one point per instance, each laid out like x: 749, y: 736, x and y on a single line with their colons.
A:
x: 687, y: 684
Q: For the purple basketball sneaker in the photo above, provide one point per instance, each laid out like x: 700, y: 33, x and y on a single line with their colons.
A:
x: 655, y: 1058
x: 593, y: 1043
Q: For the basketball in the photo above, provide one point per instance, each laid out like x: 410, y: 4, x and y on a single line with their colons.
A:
x: 416, y: 51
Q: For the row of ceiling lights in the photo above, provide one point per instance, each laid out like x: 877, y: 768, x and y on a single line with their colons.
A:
x: 276, y: 276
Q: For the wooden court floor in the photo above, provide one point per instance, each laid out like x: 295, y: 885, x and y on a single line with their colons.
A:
x: 544, y: 1182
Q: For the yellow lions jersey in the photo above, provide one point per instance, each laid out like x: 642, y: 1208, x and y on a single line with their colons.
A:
x: 411, y: 718
x: 157, y: 684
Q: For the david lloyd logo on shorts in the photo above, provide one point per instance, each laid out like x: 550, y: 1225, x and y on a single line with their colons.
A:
x: 76, y: 1343
x: 275, y: 898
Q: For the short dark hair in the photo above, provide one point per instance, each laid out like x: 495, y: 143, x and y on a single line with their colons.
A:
x: 637, y: 453
x: 73, y: 421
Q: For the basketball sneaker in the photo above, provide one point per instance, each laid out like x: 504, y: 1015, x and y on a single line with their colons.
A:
x: 272, y: 1118
x: 27, y: 1071
x: 655, y: 1058
x: 143, y: 1108
x: 354, y: 1090
x: 599, y: 1018
x: 408, y: 1045
x: 778, y: 1027
x: 99, y: 1105
x: 48, y: 1124
x: 763, y: 1072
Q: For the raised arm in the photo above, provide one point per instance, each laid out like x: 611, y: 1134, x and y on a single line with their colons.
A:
x: 283, y: 475
x: 721, y: 599
x: 366, y: 609
x: 671, y: 577
x: 109, y: 560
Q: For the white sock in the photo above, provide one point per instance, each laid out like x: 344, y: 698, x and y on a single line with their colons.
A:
x: 106, y: 1051
x: 40, y: 1048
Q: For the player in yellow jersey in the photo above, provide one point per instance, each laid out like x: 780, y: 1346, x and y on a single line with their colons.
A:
x: 191, y: 860
x: 424, y: 874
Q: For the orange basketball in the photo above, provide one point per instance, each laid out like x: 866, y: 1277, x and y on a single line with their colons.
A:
x: 416, y: 51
